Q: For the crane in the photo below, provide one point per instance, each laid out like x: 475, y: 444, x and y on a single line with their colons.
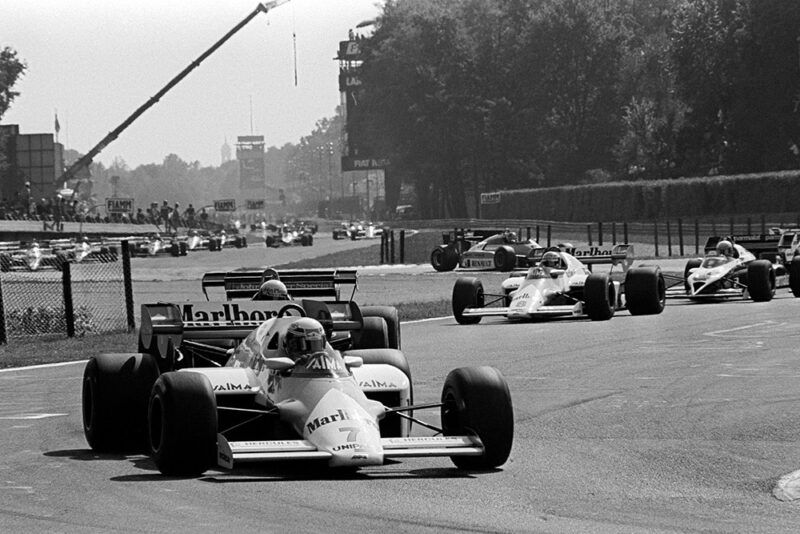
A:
x: 85, y: 160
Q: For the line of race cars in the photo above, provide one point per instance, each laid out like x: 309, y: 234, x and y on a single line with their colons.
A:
x: 284, y: 366
x: 315, y: 377
x: 552, y: 282
x: 55, y: 253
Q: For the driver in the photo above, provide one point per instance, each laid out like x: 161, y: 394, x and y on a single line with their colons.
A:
x: 551, y: 260
x: 304, y: 337
x: 509, y: 236
x: 725, y: 248
x: 272, y: 290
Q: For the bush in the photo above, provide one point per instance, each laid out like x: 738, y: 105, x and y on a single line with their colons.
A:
x: 47, y: 320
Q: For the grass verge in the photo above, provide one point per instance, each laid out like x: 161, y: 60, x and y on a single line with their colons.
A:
x: 37, y: 351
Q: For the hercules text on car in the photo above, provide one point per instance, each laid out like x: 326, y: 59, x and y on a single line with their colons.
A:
x: 220, y: 383
x: 559, y: 284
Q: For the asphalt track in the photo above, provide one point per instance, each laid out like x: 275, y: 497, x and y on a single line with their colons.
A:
x: 682, y: 422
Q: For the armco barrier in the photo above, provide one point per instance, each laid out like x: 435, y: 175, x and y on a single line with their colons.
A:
x: 80, y: 299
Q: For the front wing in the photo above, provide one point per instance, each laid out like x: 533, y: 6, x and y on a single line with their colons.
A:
x: 232, y: 452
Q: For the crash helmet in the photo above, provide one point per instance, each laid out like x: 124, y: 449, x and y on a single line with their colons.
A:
x: 273, y: 290
x: 304, y: 336
x: 725, y: 248
x: 551, y: 259
x: 509, y: 236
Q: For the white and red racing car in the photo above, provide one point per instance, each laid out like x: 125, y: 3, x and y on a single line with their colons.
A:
x: 219, y: 384
x: 737, y: 267
x: 559, y: 284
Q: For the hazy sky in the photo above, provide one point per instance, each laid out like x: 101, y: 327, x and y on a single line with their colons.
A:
x: 97, y: 61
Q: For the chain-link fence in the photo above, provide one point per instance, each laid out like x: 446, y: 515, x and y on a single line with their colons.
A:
x: 71, y: 299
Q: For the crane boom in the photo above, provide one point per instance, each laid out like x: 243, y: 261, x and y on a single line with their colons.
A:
x: 86, y: 160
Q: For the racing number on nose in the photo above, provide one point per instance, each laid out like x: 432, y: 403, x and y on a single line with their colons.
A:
x: 353, y: 432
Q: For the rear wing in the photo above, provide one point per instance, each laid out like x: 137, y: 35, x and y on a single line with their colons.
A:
x: 473, y: 236
x: 618, y: 255
x: 319, y: 284
x: 758, y: 244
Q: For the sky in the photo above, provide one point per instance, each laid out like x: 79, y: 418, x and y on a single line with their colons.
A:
x: 94, y: 62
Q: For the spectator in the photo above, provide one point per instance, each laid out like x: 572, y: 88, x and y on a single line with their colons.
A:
x: 58, y: 208
x: 189, y: 216
x: 203, y: 218
x: 140, y: 217
x: 165, y: 213
x: 176, y: 217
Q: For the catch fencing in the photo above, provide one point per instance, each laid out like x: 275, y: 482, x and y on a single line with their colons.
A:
x: 679, y: 237
x: 78, y: 299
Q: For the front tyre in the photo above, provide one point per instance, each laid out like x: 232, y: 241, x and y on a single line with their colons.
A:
x: 467, y: 293
x: 476, y: 401
x: 794, y: 275
x: 600, y: 297
x: 645, y: 291
x: 760, y: 280
x: 505, y: 259
x: 182, y: 422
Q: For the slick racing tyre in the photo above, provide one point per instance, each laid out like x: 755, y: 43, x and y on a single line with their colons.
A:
x: 476, y: 401
x: 691, y: 264
x: 374, y: 334
x: 794, y: 275
x: 444, y: 258
x: 390, y: 315
x: 392, y: 425
x: 600, y: 297
x: 645, y: 291
x: 182, y: 423
x: 116, y: 388
x: 467, y: 293
x: 505, y: 259
x: 760, y: 280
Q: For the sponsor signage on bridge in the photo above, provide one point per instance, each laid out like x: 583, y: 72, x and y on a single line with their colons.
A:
x: 254, y: 204
x: 350, y: 163
x: 119, y: 205
x: 228, y: 204
x: 490, y: 198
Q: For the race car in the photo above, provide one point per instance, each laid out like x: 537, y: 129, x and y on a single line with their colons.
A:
x: 559, y: 284
x: 232, y: 239
x: 220, y: 384
x: 201, y: 240
x: 358, y: 230
x: 502, y: 251
x: 85, y: 251
x: 286, y: 236
x: 31, y: 257
x: 157, y: 244
x: 737, y: 267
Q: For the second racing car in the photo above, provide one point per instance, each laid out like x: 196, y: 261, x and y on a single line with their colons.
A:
x: 558, y: 284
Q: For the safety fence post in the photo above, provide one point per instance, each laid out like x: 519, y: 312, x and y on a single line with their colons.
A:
x: 680, y: 236
x: 625, y: 231
x: 391, y: 244
x: 669, y: 240
x: 127, y: 282
x: 655, y: 237
x: 69, y: 310
x: 549, y: 234
x: 600, y: 234
x: 613, y: 233
x: 589, y: 233
x: 696, y: 236
x: 402, y: 247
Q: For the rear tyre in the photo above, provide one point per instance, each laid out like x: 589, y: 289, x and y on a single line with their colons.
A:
x: 390, y: 315
x: 760, y: 280
x: 505, y: 259
x: 599, y: 296
x: 183, y: 423
x: 467, y: 293
x: 645, y: 291
x: 794, y: 275
x: 115, y: 392
x: 476, y: 401
x: 374, y: 334
x: 444, y: 258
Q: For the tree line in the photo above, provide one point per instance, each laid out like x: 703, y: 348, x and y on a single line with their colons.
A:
x: 467, y: 96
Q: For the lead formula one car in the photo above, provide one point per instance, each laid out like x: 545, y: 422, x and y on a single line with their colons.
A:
x: 558, y: 284
x: 731, y: 269
x: 219, y: 384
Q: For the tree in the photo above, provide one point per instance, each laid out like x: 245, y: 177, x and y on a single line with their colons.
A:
x: 11, y: 69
